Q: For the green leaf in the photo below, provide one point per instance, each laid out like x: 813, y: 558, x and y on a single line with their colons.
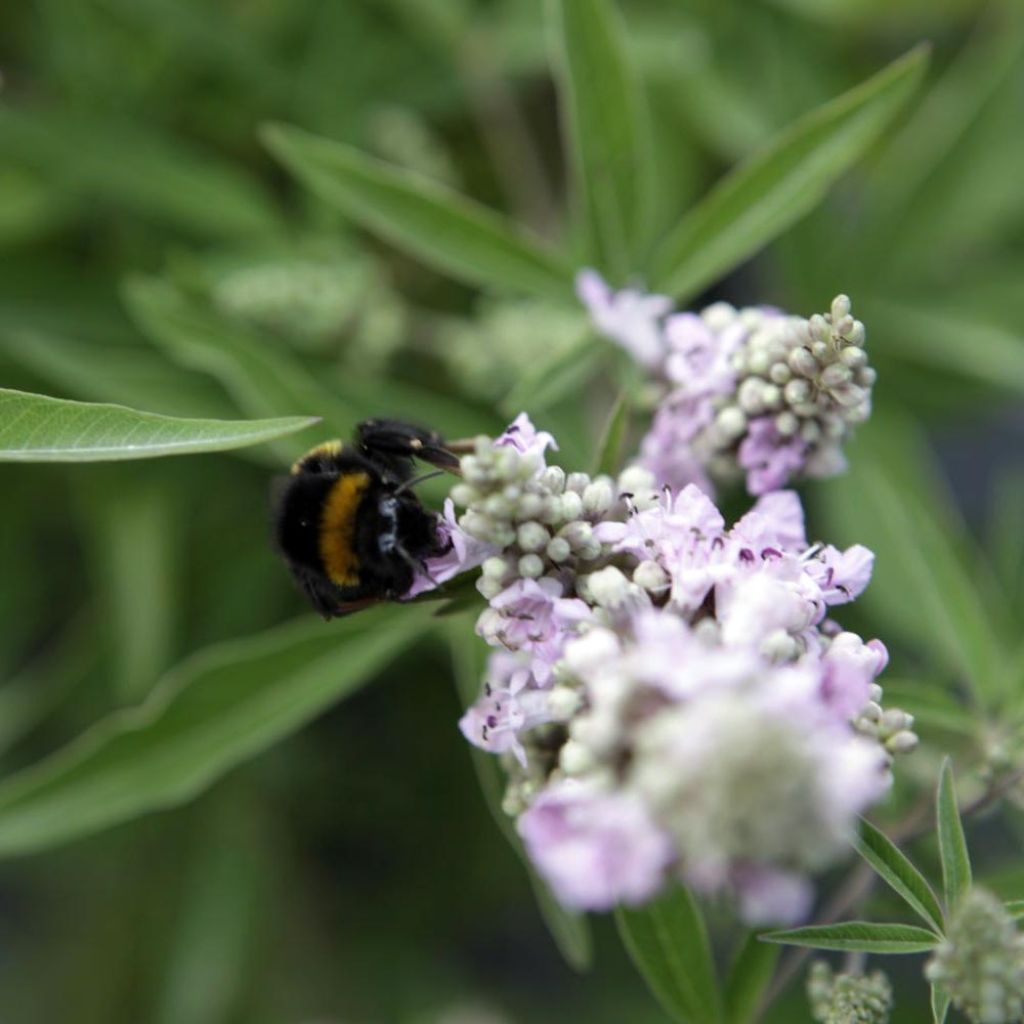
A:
x: 956, y: 862
x: 446, y: 230
x: 570, y: 931
x: 668, y: 942
x: 858, y: 936
x: 782, y: 183
x: 892, y: 501
x: 953, y: 340
x: 607, y: 122
x: 137, y: 169
x: 37, y: 428
x: 895, y: 869
x: 221, y: 706
x: 1015, y: 908
x: 940, y: 1005
x: 549, y: 380
x: 751, y: 971
x: 609, y: 451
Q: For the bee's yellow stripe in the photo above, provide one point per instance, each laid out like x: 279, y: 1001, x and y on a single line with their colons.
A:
x: 337, y: 528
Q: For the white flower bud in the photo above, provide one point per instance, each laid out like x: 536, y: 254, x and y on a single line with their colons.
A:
x: 651, y: 577
x: 819, y: 349
x: 558, y: 549
x: 532, y: 537
x: 857, y: 335
x: 575, y: 758
x: 759, y: 362
x: 730, y: 423
x: 836, y: 374
x: 530, y: 506
x: 802, y: 361
x: 787, y: 424
x: 570, y: 505
x: 495, y: 567
x: 902, y: 742
x: 749, y: 396
x: 840, y: 307
x: 718, y: 315
x: 797, y: 391
x: 531, y: 567
x: 853, y: 357
x: 497, y: 506
x: 598, y: 497
x: 780, y: 373
x: 464, y: 494
x: 771, y: 396
x: 810, y: 431
x: 577, y: 482
x: 564, y: 702
x: 635, y: 480
x: 553, y: 479
x: 780, y: 646
x: 489, y: 588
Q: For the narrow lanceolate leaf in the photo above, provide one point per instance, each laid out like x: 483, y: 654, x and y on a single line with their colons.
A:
x: 569, y: 930
x: 859, y: 936
x: 748, y: 978
x: 895, y: 868
x: 216, y: 709
x: 438, y: 226
x: 604, y: 111
x: 1016, y: 909
x: 956, y: 863
x: 37, y: 428
x: 668, y: 942
x: 609, y: 451
x: 940, y: 1006
x: 782, y: 183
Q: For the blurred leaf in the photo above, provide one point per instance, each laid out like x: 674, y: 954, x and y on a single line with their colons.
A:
x: 786, y: 180
x: 889, y: 501
x: 609, y: 450
x: 444, y: 229
x: 36, y: 428
x: 570, y: 931
x: 940, y: 1005
x: 668, y: 942
x: 607, y: 121
x: 137, y: 536
x: 115, y: 373
x: 549, y: 381
x: 1006, y: 538
x: 931, y: 705
x: 896, y: 870
x: 1016, y: 909
x: 749, y: 975
x: 207, y: 966
x: 939, y: 125
x: 38, y: 689
x: 265, y: 378
x: 862, y: 936
x: 219, y: 707
x: 956, y: 862
x: 952, y: 340
x: 137, y: 169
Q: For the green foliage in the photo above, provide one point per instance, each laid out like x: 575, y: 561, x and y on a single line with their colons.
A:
x: 37, y: 428
x: 668, y: 941
x: 156, y: 258
x: 215, y: 710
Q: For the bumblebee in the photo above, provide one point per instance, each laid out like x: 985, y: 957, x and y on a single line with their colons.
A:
x: 347, y: 522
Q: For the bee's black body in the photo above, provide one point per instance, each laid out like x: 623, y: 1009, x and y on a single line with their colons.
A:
x: 349, y: 526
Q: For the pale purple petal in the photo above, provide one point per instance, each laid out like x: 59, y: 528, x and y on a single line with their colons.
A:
x: 595, y: 849
x: 522, y: 435
x: 629, y: 317
x: 768, y: 896
x: 770, y: 459
x: 465, y: 553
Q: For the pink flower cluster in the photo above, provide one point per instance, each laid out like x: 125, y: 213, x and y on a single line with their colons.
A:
x: 669, y: 695
x: 751, y: 393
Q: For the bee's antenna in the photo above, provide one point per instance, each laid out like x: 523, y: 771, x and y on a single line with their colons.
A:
x: 418, y: 480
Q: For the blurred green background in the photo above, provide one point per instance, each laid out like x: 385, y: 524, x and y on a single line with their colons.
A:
x: 153, y: 254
